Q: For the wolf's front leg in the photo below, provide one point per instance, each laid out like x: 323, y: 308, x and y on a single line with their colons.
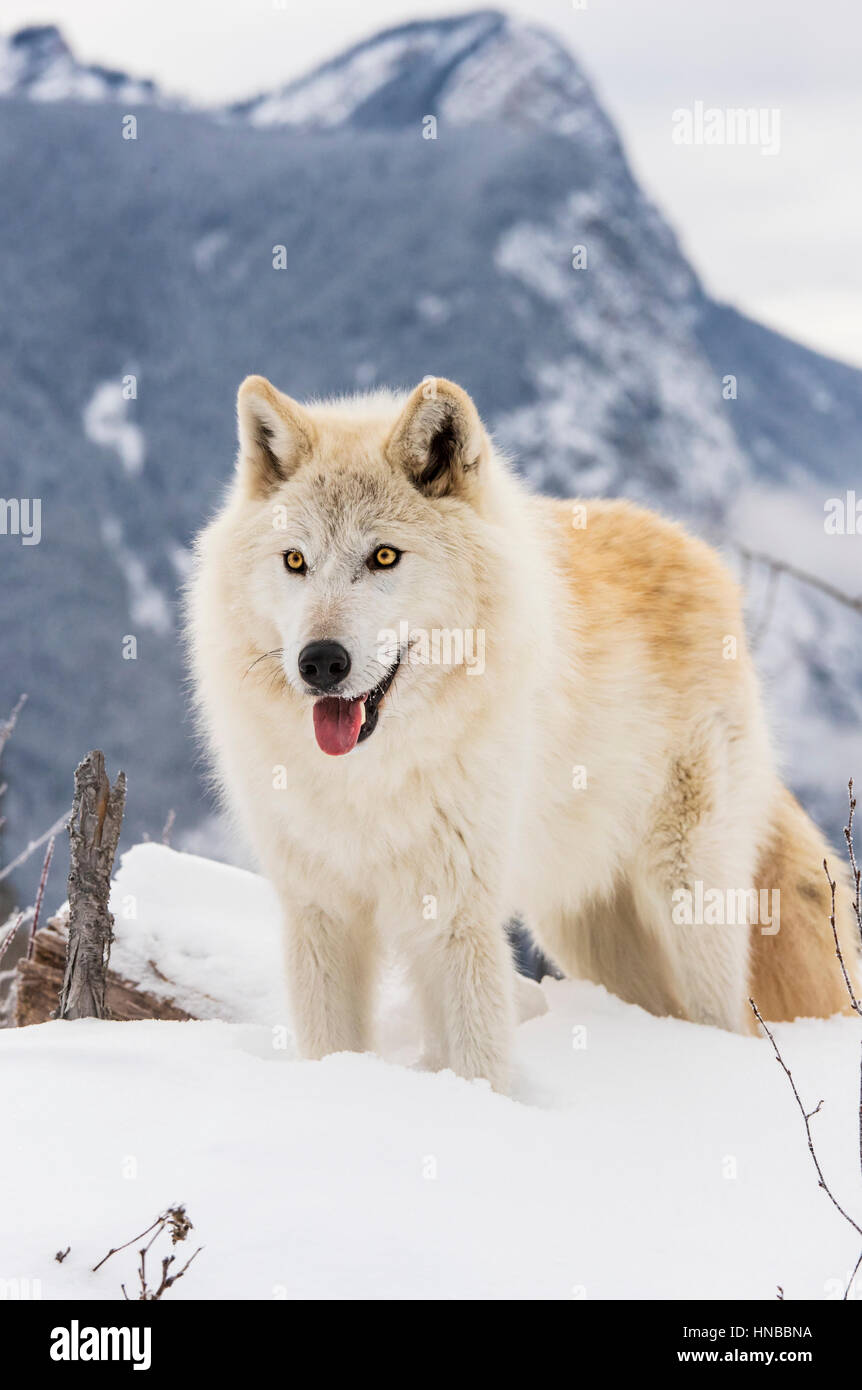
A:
x: 468, y: 967
x: 330, y: 981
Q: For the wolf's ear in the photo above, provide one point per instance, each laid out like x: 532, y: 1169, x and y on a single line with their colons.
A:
x: 275, y: 435
x: 439, y: 440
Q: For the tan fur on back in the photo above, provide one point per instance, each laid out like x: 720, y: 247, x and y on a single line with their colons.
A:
x: 797, y: 972
x: 629, y: 567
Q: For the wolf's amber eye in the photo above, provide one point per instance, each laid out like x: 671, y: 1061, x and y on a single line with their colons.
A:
x: 295, y: 560
x: 384, y: 557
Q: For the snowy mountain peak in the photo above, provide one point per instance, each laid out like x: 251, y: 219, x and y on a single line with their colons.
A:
x: 482, y: 67
x: 39, y: 44
x: 478, y: 67
x: 36, y: 62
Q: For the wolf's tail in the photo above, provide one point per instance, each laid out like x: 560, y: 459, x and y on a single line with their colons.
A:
x: 795, y: 973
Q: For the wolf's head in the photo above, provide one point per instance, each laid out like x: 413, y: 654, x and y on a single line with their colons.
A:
x: 364, y: 541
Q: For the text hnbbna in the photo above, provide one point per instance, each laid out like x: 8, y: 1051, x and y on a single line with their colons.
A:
x: 76, y: 1343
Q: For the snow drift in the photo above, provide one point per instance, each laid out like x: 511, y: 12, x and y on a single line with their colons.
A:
x: 637, y: 1157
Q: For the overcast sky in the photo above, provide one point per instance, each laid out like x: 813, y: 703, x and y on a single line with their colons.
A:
x: 779, y: 236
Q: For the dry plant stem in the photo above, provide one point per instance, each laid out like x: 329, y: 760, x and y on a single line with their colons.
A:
x: 8, y: 938
x: 34, y: 925
x: 97, y: 817
x: 159, y: 1221
x: 857, y: 1006
x: 142, y: 1268
x: 807, y: 1116
x: 854, y: 867
x: 148, y: 1295
x: 60, y: 824
x: 839, y: 953
x: 7, y: 728
x: 166, y: 1283
x: 856, y: 875
x: 783, y: 567
x: 175, y: 1221
x: 767, y: 610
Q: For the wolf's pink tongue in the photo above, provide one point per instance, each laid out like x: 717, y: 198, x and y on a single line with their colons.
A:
x: 337, y: 724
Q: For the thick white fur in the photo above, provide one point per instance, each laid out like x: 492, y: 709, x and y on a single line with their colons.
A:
x: 460, y: 808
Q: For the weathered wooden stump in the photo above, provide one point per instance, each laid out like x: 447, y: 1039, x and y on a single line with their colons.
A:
x: 40, y: 980
x: 94, y: 830
x: 68, y: 958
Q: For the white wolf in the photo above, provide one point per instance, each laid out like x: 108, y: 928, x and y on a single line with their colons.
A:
x: 608, y: 752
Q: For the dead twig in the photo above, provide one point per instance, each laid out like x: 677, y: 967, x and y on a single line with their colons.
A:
x: 7, y: 940
x: 176, y: 1223
x: 855, y: 871
x: 767, y: 610
x: 784, y: 567
x: 148, y: 1295
x: 808, y: 1115
x: 34, y: 925
x: 7, y: 727
x: 839, y: 953
x: 117, y: 1248
x: 60, y: 824
x: 856, y: 905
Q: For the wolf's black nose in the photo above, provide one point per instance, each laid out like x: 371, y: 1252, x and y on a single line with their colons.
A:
x: 323, y: 664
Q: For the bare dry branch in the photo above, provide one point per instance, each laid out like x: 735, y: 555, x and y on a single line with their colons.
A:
x: 766, y: 612
x: 855, y: 871
x: 60, y: 824
x: 7, y: 727
x: 839, y: 953
x: 174, y: 1221
x: 159, y: 1221
x: 34, y: 925
x: 7, y: 940
x: 807, y: 1116
x: 150, y: 1296
x: 784, y: 567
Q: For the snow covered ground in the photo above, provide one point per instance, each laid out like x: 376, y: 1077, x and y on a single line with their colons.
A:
x: 637, y: 1158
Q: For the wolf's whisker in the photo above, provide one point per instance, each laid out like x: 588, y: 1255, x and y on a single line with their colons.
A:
x: 277, y: 651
